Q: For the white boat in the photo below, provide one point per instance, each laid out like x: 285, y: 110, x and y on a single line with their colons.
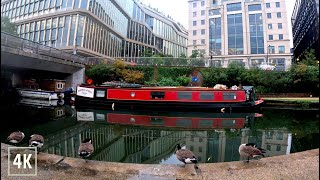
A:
x: 40, y: 94
x: 41, y: 102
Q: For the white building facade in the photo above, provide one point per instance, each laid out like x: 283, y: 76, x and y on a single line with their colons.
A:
x: 250, y: 32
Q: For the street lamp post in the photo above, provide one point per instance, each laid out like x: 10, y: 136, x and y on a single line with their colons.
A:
x: 268, y: 48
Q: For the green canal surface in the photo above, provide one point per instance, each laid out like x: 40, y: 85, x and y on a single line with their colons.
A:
x: 150, y: 137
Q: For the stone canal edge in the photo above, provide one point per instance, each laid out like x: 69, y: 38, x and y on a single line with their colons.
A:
x: 302, y: 165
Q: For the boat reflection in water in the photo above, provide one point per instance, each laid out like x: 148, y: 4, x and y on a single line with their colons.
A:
x: 47, y: 109
x: 150, y: 137
x: 189, y: 120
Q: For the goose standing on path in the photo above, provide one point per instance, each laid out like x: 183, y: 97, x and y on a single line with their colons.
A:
x: 249, y: 150
x: 85, y: 149
x: 186, y: 156
x: 15, y: 137
x: 36, y: 140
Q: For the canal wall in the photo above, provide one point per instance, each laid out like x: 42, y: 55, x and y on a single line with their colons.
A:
x: 302, y: 165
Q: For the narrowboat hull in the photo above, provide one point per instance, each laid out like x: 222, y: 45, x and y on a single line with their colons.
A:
x: 165, y: 98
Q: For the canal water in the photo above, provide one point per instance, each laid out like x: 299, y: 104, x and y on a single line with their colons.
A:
x: 150, y: 137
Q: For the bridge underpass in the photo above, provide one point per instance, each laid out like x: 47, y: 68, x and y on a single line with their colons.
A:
x: 22, y: 59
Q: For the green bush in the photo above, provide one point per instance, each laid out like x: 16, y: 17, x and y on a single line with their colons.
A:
x: 168, y: 82
x: 300, y: 78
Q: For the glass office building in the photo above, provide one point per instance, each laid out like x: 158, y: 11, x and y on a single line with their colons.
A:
x: 97, y: 28
x: 249, y: 32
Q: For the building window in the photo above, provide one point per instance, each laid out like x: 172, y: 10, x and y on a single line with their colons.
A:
x: 194, y: 14
x: 277, y: 4
x: 278, y: 14
x: 203, y: 41
x: 270, y: 37
x: 194, y: 4
x: 278, y: 148
x: 215, y: 36
x: 269, y: 15
x: 200, y: 139
x: 256, y: 62
x: 200, y: 149
x: 279, y: 25
x: 279, y: 62
x: 269, y: 26
x: 234, y: 7
x: 194, y: 23
x: 268, y: 5
x: 271, y: 50
x: 235, y: 34
x: 279, y: 135
x: 254, y: 7
x: 202, y: 3
x: 214, y: 2
x: 83, y: 4
x: 269, y: 147
x: 281, y: 49
x: 194, y: 42
x: 203, y: 31
x: 203, y: 12
x: 256, y: 33
x: 194, y: 32
x: 269, y: 135
x: 280, y: 36
x: 214, y: 12
x: 203, y: 22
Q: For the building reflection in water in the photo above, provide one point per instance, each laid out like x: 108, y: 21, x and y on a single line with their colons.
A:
x: 151, y: 137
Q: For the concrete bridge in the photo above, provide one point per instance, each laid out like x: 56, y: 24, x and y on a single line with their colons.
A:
x: 21, y: 58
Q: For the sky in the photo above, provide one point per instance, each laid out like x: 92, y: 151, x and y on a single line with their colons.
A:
x: 178, y: 10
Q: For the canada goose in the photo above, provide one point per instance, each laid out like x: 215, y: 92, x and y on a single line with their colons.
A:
x: 249, y: 150
x: 36, y: 140
x: 186, y: 156
x: 16, y: 137
x: 85, y: 148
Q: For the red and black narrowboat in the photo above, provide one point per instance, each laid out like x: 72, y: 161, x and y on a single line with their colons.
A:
x: 174, y: 98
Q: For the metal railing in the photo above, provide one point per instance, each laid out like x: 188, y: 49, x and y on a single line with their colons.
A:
x: 26, y: 45
x: 160, y: 61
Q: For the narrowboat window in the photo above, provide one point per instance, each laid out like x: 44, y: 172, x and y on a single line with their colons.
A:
x: 156, y: 121
x: 206, y: 123
x: 157, y: 95
x: 184, y: 122
x: 100, y: 116
x: 229, y: 96
x: 206, y: 96
x: 100, y: 93
x: 184, y: 95
x: 227, y: 123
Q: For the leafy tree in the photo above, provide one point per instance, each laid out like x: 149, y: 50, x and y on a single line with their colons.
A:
x: 310, y: 58
x: 195, y: 54
x: 147, y: 53
x: 7, y: 26
x: 183, y: 55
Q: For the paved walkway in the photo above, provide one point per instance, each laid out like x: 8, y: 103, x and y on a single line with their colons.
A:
x: 301, y: 166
